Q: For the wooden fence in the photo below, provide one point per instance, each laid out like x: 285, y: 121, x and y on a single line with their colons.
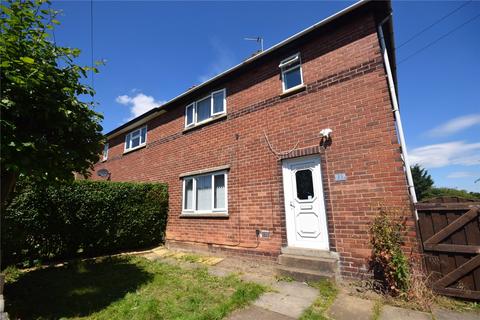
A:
x: 450, y: 234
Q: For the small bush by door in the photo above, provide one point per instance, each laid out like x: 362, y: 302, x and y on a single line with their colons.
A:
x: 83, y: 218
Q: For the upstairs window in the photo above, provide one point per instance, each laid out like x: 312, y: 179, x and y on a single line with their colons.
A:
x: 291, y: 72
x: 105, y: 152
x: 189, y: 115
x: 206, y: 193
x: 218, y: 102
x: 136, y: 139
x: 205, y: 109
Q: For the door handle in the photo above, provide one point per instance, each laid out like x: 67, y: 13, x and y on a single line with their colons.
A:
x: 292, y: 204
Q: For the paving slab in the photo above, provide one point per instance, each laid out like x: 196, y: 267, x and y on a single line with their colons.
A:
x: 254, y: 313
x: 296, y: 289
x: 346, y: 307
x: 282, y: 303
x: 289, y: 298
x: 444, y: 314
x: 395, y: 313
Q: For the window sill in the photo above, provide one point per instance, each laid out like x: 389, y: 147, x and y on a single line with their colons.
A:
x: 204, y: 215
x: 293, y: 90
x: 201, y: 124
x: 134, y: 149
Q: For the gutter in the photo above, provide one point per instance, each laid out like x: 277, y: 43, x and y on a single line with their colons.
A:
x: 396, y: 113
x: 139, y: 120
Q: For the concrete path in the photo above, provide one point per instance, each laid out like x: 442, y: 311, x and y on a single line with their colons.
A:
x: 394, y: 313
x: 254, y: 313
x: 288, y: 300
x: 349, y: 307
x: 443, y: 314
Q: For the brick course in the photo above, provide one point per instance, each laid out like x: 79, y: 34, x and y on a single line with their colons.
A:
x: 345, y: 90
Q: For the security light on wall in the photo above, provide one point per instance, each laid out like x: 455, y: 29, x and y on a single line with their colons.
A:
x: 326, y: 132
x: 326, y: 137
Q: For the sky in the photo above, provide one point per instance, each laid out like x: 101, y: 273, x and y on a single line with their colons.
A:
x: 156, y: 50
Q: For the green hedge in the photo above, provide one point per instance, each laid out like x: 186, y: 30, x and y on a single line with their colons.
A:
x: 83, y: 218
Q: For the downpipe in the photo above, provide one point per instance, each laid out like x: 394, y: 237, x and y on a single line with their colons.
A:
x: 396, y: 113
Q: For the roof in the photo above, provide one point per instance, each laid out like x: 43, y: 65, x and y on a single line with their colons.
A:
x: 382, y: 10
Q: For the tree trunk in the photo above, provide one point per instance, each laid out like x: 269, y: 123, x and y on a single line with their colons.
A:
x: 7, y: 184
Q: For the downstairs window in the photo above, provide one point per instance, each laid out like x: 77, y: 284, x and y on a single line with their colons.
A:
x: 205, y: 193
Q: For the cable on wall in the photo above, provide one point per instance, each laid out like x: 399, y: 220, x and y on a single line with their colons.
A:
x: 279, y: 154
x: 330, y: 202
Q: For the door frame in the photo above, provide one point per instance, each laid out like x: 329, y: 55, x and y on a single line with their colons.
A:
x: 288, y: 190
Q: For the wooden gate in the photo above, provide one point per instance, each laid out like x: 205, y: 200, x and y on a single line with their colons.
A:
x: 450, y: 234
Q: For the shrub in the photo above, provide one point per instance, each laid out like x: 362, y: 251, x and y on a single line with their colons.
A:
x: 450, y: 192
x: 83, y: 218
x: 388, y: 262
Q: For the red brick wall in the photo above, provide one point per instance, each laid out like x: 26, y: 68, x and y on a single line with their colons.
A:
x: 346, y: 91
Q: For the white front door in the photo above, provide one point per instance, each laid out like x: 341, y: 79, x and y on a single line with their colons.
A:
x: 304, y: 205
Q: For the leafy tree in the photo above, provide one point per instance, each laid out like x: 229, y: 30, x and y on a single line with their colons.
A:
x: 47, y: 131
x: 450, y: 192
x: 422, y: 180
x: 425, y: 189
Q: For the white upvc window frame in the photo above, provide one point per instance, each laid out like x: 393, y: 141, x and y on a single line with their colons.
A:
x: 288, y: 64
x: 192, y: 106
x: 193, y: 210
x: 105, y: 152
x: 213, y: 114
x: 132, y: 135
x: 224, y: 91
x: 209, y: 97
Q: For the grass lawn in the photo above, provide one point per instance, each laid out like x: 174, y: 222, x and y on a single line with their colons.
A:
x: 125, y: 288
x: 328, y: 291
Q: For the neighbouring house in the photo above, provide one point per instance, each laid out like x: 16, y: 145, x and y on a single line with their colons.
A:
x: 287, y: 155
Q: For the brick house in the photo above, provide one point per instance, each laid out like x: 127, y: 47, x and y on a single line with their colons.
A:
x: 248, y: 170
